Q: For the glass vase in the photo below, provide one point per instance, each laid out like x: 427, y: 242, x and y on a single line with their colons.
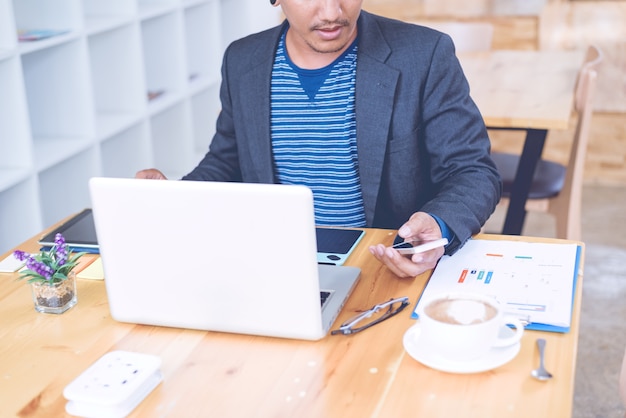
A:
x: 55, y: 298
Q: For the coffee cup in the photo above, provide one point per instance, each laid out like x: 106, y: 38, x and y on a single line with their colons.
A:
x: 465, y: 326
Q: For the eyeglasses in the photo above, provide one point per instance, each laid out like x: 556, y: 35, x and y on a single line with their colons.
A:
x: 394, y: 307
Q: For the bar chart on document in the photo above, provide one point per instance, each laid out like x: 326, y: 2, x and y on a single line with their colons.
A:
x: 535, y: 281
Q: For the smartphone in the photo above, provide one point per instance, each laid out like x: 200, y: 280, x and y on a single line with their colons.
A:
x: 415, y: 247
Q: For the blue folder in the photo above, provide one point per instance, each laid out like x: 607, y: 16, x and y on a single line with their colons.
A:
x: 535, y: 325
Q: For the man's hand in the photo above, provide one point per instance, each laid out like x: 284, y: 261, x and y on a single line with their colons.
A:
x: 150, y: 174
x: 421, y: 226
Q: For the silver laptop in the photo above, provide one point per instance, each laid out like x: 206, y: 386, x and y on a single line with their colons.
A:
x: 231, y: 257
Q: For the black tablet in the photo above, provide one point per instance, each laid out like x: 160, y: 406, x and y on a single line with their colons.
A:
x: 334, y: 245
x: 79, y: 233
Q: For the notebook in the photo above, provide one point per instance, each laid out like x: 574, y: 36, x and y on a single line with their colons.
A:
x: 230, y: 257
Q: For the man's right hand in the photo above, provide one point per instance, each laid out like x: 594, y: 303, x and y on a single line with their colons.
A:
x: 150, y: 174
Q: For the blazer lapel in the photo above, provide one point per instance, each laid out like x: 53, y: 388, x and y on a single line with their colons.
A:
x: 375, y: 96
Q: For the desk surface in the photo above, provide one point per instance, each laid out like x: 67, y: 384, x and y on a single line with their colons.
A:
x: 523, y: 89
x: 226, y: 375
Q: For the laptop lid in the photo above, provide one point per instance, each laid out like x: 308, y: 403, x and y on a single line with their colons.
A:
x: 231, y: 257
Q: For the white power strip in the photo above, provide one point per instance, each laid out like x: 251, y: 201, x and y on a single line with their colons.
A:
x: 113, y: 386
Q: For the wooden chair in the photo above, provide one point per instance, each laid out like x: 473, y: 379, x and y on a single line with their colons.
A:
x: 557, y: 189
x: 467, y: 36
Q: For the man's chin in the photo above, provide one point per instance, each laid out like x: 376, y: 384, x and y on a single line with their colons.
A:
x: 328, y: 47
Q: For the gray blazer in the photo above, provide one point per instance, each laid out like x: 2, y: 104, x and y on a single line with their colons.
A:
x: 422, y: 143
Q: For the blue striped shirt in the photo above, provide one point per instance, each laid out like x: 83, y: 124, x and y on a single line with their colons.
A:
x: 314, y: 135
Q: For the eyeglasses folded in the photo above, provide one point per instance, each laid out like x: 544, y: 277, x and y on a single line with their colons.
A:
x: 372, y: 316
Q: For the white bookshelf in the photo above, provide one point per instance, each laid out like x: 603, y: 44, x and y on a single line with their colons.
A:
x: 76, y: 105
x: 7, y: 29
x: 117, y: 79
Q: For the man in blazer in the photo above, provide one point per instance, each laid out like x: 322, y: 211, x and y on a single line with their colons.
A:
x: 422, y: 147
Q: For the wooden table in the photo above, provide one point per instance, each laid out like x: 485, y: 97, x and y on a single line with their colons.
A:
x: 523, y: 90
x: 226, y: 375
x: 516, y: 24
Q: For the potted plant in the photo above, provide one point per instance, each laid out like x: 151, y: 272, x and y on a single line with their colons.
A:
x: 51, y: 276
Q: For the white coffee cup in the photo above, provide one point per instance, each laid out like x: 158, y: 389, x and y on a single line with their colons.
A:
x: 465, y: 326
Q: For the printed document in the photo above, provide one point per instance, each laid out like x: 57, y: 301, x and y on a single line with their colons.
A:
x: 535, y: 281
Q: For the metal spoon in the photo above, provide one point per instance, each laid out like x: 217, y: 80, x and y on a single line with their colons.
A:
x: 541, y: 373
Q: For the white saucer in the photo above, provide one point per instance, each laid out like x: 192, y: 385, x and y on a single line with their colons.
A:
x: 496, y: 357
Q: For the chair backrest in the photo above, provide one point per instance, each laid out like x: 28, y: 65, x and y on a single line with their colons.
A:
x: 571, y: 194
x: 622, y: 381
x: 592, y: 61
x: 467, y: 36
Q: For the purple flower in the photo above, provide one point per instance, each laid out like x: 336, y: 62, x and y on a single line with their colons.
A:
x: 40, y: 268
x: 21, y: 255
x: 51, y: 266
x: 61, y: 249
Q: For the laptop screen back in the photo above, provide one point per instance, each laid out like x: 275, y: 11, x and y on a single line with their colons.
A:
x: 230, y: 257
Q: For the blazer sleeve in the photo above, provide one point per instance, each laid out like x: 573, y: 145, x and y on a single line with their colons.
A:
x: 465, y: 179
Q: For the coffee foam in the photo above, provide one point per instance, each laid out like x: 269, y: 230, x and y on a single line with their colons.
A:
x: 460, y: 311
